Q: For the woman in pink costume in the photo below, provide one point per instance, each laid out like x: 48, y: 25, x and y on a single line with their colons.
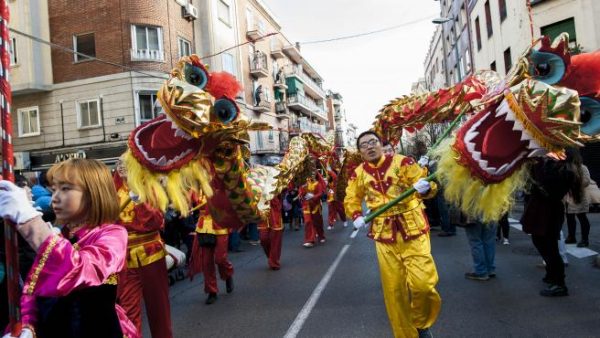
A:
x: 71, y: 288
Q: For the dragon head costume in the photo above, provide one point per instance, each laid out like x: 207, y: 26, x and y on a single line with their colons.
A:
x: 547, y: 102
x: 199, y: 145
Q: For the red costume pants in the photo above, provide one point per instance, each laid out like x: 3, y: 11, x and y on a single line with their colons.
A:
x: 215, y: 255
x: 270, y: 240
x: 335, y: 208
x: 152, y: 282
x: 313, y: 226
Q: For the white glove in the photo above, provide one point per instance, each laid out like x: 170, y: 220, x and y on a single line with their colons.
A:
x: 424, y: 161
x: 25, y: 333
x: 422, y: 186
x: 14, y: 204
x: 309, y: 196
x: 134, y: 197
x: 359, y: 222
x: 176, y: 255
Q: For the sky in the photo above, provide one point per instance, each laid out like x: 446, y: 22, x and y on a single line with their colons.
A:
x: 367, y: 71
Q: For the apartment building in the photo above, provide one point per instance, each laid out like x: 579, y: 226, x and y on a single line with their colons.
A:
x: 435, y: 63
x: 281, y: 87
x: 336, y: 115
x: 456, y: 41
x: 502, y: 28
x: 66, y: 105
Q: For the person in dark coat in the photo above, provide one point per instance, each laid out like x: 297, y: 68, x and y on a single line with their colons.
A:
x: 543, y: 217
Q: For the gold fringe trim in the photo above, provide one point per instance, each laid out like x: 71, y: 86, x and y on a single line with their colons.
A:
x: 41, y: 263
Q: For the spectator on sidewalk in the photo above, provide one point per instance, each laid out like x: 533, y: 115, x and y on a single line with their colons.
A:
x: 483, y: 249
x: 503, y: 230
x: 578, y: 207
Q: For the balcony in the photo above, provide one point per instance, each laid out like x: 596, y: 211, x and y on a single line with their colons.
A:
x: 255, y: 32
x: 293, y: 53
x: 293, y: 71
x: 308, y: 107
x: 276, y: 49
x: 281, y: 110
x: 147, y: 55
x: 263, y: 107
x: 258, y: 65
x: 312, y: 88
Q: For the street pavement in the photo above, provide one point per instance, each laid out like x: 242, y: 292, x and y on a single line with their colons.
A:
x: 334, y: 290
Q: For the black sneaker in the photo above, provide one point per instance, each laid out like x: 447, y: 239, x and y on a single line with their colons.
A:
x: 554, y: 290
x: 583, y: 244
x: 212, y: 297
x: 492, y: 275
x: 424, y: 333
x: 229, y: 285
x: 474, y: 276
x: 570, y: 240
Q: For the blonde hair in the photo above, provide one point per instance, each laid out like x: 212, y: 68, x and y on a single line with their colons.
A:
x: 100, y: 201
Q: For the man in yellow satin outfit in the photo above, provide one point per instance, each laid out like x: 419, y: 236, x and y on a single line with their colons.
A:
x: 401, y: 234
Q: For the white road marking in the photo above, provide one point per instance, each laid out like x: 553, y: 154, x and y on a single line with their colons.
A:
x: 572, y: 249
x: 354, y: 233
x: 296, y: 326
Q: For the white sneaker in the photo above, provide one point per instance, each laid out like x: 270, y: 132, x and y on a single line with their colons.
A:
x: 505, y: 241
x: 330, y: 227
x: 345, y: 224
x: 322, y: 240
x: 308, y: 245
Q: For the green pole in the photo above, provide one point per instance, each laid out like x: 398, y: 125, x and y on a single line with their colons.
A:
x: 410, y: 191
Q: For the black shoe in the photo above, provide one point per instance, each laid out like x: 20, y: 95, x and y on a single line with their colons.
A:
x: 492, y: 275
x: 212, y: 297
x: 446, y: 234
x: 583, y: 244
x: 424, y: 333
x: 474, y: 276
x: 570, y: 240
x: 229, y: 285
x: 547, y: 280
x: 554, y: 290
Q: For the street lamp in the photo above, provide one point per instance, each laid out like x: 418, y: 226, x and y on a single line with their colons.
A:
x: 438, y: 21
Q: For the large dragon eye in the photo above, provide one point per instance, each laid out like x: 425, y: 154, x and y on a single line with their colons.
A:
x: 195, y: 75
x: 546, y: 67
x: 590, y: 116
x: 226, y: 110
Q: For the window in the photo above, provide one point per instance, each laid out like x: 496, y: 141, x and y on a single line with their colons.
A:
x: 185, y: 47
x: 147, y: 107
x: 507, y: 60
x: 28, y: 121
x: 12, y: 50
x: 478, y: 33
x: 223, y: 12
x: 502, y: 6
x: 228, y: 64
x: 88, y: 113
x: 85, y: 44
x: 554, y: 30
x: 147, y: 44
x: 493, y: 66
x: 467, y: 60
x: 488, y: 19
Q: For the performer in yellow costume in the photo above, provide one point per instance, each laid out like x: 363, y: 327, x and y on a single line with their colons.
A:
x: 401, y: 234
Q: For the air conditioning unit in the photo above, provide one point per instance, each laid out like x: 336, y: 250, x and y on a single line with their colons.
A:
x: 22, y: 161
x: 190, y: 12
x: 181, y: 3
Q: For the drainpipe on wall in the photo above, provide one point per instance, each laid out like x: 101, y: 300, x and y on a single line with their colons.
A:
x: 102, y: 118
x: 62, y: 122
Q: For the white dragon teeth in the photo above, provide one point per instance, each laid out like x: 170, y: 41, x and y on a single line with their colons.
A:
x: 182, y: 134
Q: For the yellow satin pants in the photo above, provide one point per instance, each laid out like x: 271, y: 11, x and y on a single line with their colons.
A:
x: 408, y: 278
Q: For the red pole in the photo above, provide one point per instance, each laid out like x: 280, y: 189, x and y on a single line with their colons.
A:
x: 11, y: 243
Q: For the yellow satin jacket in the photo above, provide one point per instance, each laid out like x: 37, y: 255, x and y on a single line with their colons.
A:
x: 379, y: 184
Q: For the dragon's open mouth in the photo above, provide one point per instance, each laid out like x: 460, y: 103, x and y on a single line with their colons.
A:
x: 495, y: 142
x: 159, y: 144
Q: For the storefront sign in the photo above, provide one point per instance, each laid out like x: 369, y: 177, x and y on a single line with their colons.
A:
x: 67, y: 156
